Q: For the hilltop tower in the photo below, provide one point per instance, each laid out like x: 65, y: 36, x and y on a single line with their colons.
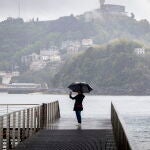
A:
x: 102, y: 2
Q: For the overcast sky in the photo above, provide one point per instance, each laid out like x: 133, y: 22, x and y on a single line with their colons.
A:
x: 53, y: 9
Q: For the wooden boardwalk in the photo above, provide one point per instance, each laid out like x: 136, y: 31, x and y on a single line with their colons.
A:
x: 41, y: 128
x: 94, y: 134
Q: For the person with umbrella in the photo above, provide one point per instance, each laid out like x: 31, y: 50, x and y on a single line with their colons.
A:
x: 80, y: 88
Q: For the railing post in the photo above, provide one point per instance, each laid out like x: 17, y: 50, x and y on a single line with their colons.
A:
x: 31, y: 125
x: 23, y: 126
x: 41, y: 117
x: 55, y: 110
x: 44, y: 115
x: 35, y: 119
x: 19, y: 125
x: 27, y: 124
x: 50, y: 112
x: 38, y: 118
x: 8, y: 144
x: 14, y: 130
x: 1, y: 132
x: 58, y: 110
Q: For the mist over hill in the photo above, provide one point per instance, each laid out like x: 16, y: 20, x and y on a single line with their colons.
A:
x: 19, y: 38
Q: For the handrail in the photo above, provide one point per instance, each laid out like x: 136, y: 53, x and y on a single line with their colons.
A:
x: 124, y: 141
x: 17, y: 104
x: 8, y: 108
x: 20, y: 110
x: 17, y: 126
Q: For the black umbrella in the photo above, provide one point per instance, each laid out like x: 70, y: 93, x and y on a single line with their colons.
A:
x: 80, y: 86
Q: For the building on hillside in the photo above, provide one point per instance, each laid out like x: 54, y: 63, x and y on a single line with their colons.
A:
x: 87, y: 42
x: 34, y: 56
x: 139, y: 51
x: 53, y: 48
x: 2, y: 73
x: 66, y: 44
x: 44, y: 55
x: 30, y: 58
x: 6, y: 79
x: 71, y: 50
x: 47, y: 55
x: 110, y: 8
x: 37, y: 65
x: 15, y: 73
x: 55, y: 58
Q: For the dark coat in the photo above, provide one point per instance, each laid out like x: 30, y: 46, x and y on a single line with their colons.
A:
x: 78, y: 102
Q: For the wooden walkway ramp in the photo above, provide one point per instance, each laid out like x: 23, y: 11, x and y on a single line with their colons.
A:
x: 42, y: 128
x: 95, y: 134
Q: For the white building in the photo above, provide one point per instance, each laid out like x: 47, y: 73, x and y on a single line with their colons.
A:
x: 66, y: 44
x: 30, y: 58
x: 55, y: 58
x: 139, y: 51
x: 37, y: 65
x: 47, y: 54
x: 71, y: 50
x: 87, y: 42
x: 15, y: 73
x: 2, y: 73
x: 6, y: 79
x: 53, y: 48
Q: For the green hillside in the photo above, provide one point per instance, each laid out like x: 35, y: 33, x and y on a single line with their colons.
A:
x: 18, y: 38
x: 111, y: 69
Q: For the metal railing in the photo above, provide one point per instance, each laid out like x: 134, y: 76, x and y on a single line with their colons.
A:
x: 8, y: 108
x: 123, y: 139
x: 17, y: 126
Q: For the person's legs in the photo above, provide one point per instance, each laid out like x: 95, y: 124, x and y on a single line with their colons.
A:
x: 78, y: 115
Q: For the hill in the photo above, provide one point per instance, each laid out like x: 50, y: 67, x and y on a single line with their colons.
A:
x: 114, y: 68
x: 18, y: 38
